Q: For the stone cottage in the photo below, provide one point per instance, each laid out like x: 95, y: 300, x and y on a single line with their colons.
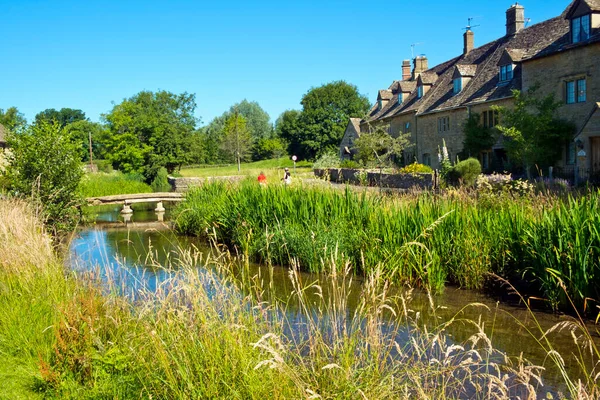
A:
x: 560, y: 55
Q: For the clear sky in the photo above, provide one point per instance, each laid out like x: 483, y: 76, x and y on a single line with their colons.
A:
x: 87, y: 54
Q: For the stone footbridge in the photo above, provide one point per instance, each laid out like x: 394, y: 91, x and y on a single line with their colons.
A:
x: 127, y: 199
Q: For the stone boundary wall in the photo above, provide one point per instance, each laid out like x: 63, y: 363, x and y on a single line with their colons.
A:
x: 183, y: 184
x: 396, y: 181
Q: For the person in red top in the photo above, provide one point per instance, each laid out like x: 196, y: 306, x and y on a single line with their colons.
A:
x: 262, y: 179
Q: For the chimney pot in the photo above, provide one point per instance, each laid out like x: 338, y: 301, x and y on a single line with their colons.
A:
x: 515, y: 19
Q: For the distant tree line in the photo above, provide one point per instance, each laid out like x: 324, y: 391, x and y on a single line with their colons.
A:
x: 154, y: 130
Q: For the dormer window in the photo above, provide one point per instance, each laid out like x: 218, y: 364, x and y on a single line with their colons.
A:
x: 580, y: 28
x: 457, y: 85
x: 379, y: 104
x: 506, y: 73
x: 419, y: 92
x: 400, y: 98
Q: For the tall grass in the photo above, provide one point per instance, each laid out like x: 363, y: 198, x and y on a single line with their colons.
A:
x: 107, y: 184
x: 424, y: 240
x: 215, y: 333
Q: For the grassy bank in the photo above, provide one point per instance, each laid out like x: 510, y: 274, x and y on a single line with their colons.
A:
x: 107, y: 184
x: 541, y: 241
x: 273, y: 169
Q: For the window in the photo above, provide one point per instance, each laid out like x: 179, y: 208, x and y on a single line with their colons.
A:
x: 407, y: 127
x: 457, y: 85
x: 427, y: 159
x: 485, y: 160
x: 576, y: 91
x: 580, y: 28
x: 379, y: 104
x: 443, y: 124
x: 419, y: 92
x: 400, y: 98
x: 506, y: 73
x: 490, y: 118
x: 571, y: 151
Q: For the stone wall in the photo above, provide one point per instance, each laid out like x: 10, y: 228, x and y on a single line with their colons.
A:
x: 183, y: 184
x: 372, y: 178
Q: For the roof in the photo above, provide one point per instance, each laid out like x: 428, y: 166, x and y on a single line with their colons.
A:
x: 539, y: 40
x: 385, y: 95
x: 356, y: 124
x: 593, y: 113
x: 466, y: 69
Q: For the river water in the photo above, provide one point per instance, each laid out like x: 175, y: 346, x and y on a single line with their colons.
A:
x: 130, y: 254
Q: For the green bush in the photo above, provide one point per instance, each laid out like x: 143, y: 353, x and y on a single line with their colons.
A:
x: 464, y: 173
x: 349, y: 164
x: 45, y: 165
x: 103, y: 166
x: 161, y: 183
x: 327, y: 160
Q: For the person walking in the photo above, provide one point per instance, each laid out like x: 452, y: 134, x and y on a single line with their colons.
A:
x: 287, y: 178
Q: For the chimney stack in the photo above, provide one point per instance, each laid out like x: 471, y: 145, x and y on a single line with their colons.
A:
x: 469, y: 38
x: 405, y: 70
x: 420, y: 65
x: 515, y: 19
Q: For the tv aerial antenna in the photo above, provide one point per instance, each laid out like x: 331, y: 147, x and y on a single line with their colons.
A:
x: 469, y: 26
x: 412, y: 49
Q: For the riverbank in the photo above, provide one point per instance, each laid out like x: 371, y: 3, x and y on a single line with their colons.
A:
x: 203, y: 336
x: 548, y: 245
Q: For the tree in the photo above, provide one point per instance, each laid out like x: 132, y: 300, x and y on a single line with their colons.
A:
x: 268, y: 148
x: 326, y: 111
x: 287, y: 127
x: 13, y: 120
x: 257, y: 119
x: 80, y: 131
x: 237, y: 141
x: 64, y: 117
x: 149, y: 131
x: 46, y: 165
x: 379, y: 146
x: 535, y: 135
x: 477, y: 137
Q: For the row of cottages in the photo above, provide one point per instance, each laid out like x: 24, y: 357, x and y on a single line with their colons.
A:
x: 561, y: 55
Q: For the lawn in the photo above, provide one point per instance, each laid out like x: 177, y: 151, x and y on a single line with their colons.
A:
x: 273, y: 169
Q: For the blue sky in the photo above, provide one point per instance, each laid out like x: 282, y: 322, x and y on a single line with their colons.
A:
x: 87, y: 54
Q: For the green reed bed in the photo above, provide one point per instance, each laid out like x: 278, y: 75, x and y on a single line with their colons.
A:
x: 540, y: 242
x: 107, y: 184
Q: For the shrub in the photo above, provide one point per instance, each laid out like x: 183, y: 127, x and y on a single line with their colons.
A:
x: 349, y: 164
x: 416, y: 168
x: 45, y: 164
x: 327, y: 160
x: 103, y: 166
x: 161, y: 183
x: 464, y: 173
x: 503, y: 183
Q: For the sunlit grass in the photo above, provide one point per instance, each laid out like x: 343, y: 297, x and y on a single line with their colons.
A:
x: 273, y: 169
x: 107, y: 184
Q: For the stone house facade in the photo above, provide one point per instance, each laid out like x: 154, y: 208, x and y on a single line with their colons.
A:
x: 560, y: 55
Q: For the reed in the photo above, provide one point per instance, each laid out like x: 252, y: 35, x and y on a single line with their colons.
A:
x: 424, y: 240
x: 215, y: 332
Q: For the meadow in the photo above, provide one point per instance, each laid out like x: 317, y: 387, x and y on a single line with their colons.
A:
x: 111, y: 183
x: 548, y: 246
x: 273, y: 169
x: 62, y: 335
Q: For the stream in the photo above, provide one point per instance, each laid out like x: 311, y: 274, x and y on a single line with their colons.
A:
x: 129, y: 254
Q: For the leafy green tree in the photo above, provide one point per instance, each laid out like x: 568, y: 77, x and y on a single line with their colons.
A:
x: 268, y: 148
x: 257, y: 119
x: 237, y: 141
x: 149, y: 131
x: 287, y: 127
x: 46, y: 166
x: 535, y: 135
x: 326, y: 111
x: 80, y: 132
x: 477, y: 137
x: 13, y: 120
x: 379, y: 146
x: 64, y: 117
